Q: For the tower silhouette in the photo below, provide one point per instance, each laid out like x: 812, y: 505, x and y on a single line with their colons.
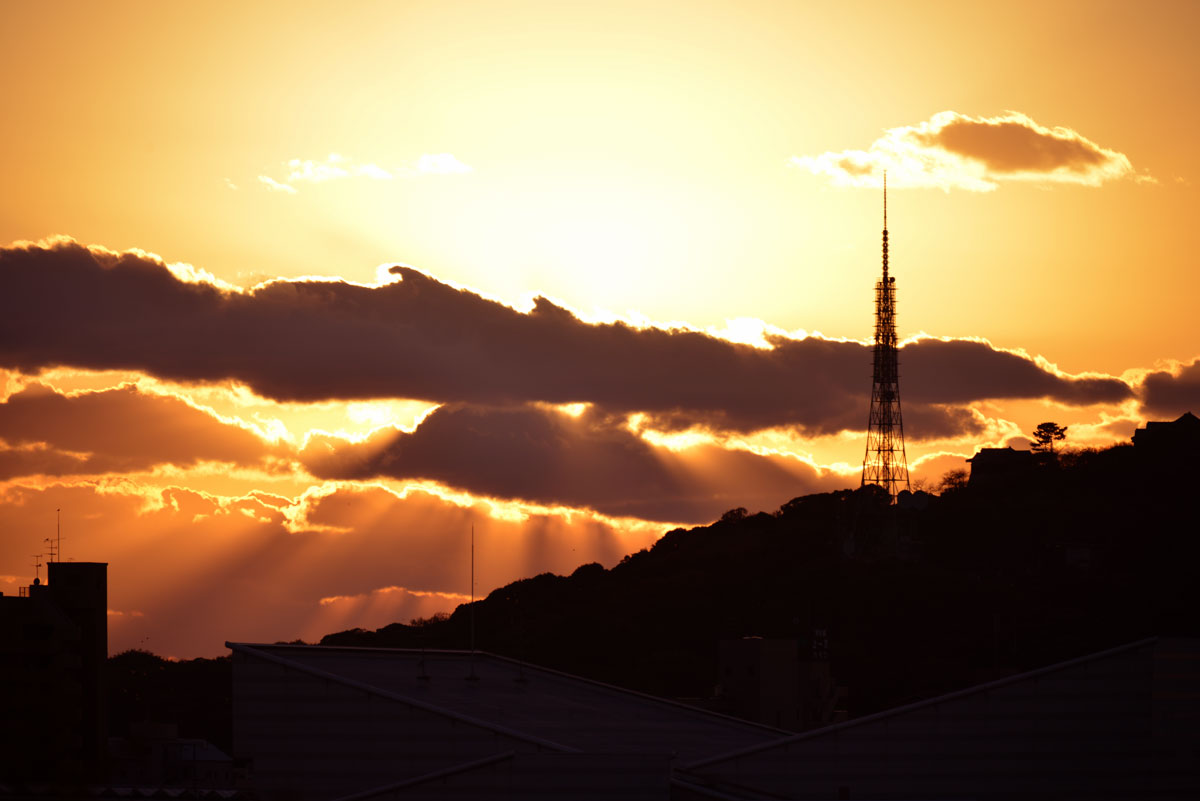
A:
x: 885, y: 463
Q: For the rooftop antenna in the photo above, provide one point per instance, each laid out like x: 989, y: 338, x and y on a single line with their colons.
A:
x: 58, y: 531
x: 885, y: 231
x: 37, y: 568
x: 50, y: 544
x: 472, y: 676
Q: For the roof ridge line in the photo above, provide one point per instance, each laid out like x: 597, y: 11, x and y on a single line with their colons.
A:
x: 645, y: 696
x: 540, y: 668
x: 938, y: 699
x: 404, y: 699
x: 426, y: 777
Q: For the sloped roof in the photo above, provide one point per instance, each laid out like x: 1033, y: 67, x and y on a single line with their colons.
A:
x: 909, y: 708
x: 556, y: 710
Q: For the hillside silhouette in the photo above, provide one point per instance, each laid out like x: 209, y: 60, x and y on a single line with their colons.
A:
x: 1072, y: 554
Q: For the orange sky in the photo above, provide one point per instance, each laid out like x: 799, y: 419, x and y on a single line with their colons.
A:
x: 708, y: 167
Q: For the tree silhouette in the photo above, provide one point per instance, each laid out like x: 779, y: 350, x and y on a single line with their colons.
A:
x: 1045, y: 435
x: 953, y: 480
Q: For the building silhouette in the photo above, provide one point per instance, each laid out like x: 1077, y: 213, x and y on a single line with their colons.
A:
x: 317, y: 722
x: 1169, y: 439
x: 53, y: 647
x: 1001, y: 468
x: 779, y: 682
x: 885, y: 462
x: 320, y: 722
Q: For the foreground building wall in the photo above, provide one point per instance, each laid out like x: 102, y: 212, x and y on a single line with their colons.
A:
x: 302, y: 737
x: 1121, y: 724
x: 53, y: 647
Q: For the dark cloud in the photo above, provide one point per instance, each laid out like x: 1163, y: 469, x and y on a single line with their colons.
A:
x: 956, y: 151
x: 549, y: 457
x: 961, y: 371
x: 117, y: 430
x: 418, y: 338
x: 931, y: 421
x: 1165, y: 395
x: 1018, y: 144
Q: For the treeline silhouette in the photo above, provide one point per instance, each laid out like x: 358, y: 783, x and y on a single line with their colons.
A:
x: 194, y: 693
x: 1079, y: 552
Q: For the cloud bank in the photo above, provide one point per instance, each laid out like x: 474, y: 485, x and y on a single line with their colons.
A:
x: 1166, y: 394
x: 116, y: 431
x: 547, y: 456
x: 956, y: 151
x: 63, y: 304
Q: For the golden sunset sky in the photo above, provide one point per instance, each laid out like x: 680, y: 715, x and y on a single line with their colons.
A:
x: 295, y: 294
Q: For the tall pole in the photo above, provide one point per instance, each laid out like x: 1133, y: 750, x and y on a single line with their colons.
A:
x: 472, y: 588
x: 885, y: 463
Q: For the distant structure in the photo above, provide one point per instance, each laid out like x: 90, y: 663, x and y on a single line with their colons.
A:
x: 779, y: 682
x: 885, y: 463
x: 1177, y: 437
x: 53, y: 648
x: 1002, y: 468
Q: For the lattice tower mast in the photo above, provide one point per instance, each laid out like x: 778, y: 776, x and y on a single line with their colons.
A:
x: 885, y: 463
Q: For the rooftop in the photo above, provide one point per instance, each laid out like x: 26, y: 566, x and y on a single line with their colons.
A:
x: 570, y: 712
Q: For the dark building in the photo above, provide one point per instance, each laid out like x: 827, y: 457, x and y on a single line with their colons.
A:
x: 1124, y: 723
x: 314, y: 723
x: 777, y: 683
x: 1173, y: 439
x: 53, y: 647
x: 1000, y: 468
x: 153, y: 755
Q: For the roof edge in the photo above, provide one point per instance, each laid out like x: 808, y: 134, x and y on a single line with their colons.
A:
x: 393, y: 696
x: 428, y: 777
x: 749, y: 724
x: 951, y: 696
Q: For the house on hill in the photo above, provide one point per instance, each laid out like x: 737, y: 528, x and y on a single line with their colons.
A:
x: 1171, y: 438
x: 1000, y: 467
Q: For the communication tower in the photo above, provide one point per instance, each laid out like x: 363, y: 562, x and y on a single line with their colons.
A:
x: 885, y: 463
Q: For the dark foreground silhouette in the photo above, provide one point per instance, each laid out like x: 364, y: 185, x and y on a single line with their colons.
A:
x: 1025, y: 567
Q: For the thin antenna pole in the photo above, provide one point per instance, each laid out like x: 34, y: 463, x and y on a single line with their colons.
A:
x: 37, y: 567
x: 472, y: 588
x: 58, y: 520
x: 471, y: 674
x: 885, y: 231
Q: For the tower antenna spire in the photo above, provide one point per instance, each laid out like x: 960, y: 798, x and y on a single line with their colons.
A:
x: 885, y: 233
x: 885, y: 463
